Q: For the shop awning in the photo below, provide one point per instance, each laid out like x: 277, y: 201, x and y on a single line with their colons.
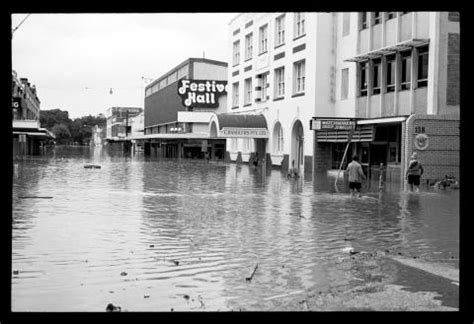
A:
x: 39, y: 133
x: 388, y: 50
x: 238, y: 126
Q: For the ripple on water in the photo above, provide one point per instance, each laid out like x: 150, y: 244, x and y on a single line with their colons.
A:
x: 139, y: 216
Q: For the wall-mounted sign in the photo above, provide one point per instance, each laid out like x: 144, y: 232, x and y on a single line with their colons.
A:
x: 201, y: 93
x: 244, y: 132
x: 332, y: 124
x: 422, y: 141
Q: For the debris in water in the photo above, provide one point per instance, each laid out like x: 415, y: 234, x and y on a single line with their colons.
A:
x: 123, y: 273
x: 146, y: 296
x: 186, y: 297
x: 251, y: 276
x: 176, y: 262
x: 92, y: 166
x: 15, y: 272
x: 151, y: 245
x: 353, y: 252
x: 112, y: 308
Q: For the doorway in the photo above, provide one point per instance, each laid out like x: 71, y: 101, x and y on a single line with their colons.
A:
x: 297, y: 147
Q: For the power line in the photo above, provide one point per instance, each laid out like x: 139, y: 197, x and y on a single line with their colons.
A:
x: 13, y: 30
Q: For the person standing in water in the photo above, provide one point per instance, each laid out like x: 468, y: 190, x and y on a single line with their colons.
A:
x: 356, y: 175
x: 414, y: 172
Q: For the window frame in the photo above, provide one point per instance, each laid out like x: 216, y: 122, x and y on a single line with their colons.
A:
x: 279, y: 82
x: 376, y: 76
x: 363, y: 78
x: 299, y: 25
x: 391, y: 68
x: 235, y: 94
x: 236, y: 53
x: 263, y: 39
x: 299, y: 77
x: 405, y: 56
x: 363, y: 20
x: 249, y: 46
x: 376, y: 20
x: 248, y: 91
x: 280, y: 30
x: 423, y: 56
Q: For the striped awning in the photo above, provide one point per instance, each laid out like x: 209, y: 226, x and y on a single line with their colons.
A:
x: 229, y: 125
x: 388, y: 50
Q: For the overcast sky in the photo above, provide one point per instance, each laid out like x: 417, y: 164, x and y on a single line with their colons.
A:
x: 75, y: 59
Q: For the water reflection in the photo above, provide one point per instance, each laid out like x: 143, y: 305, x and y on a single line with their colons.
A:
x: 194, y: 228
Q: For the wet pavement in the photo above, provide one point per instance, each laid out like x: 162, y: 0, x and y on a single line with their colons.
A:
x: 152, y: 235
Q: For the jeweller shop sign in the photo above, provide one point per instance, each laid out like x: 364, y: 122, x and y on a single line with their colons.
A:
x: 201, y: 93
x: 332, y: 124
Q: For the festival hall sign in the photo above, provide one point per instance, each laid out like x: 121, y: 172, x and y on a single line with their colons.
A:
x: 201, y: 93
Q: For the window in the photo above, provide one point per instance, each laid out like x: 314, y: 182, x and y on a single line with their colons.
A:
x: 233, y: 144
x: 248, y: 46
x: 299, y: 77
x: 363, y: 20
x: 391, y: 73
x: 299, y: 24
x: 391, y: 15
x: 423, y: 66
x: 264, y: 85
x: 280, y: 30
x: 346, y: 23
x: 406, y: 70
x: 278, y: 139
x: 363, y: 79
x: 376, y: 76
x: 248, y: 91
x: 236, y: 56
x: 263, y: 40
x: 235, y: 94
x: 377, y: 18
x: 279, y: 82
x: 344, y: 83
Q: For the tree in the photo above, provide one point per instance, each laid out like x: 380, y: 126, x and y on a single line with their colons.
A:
x: 61, y: 131
x: 49, y: 118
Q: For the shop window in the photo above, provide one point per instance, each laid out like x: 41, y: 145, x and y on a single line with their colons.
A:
x: 422, y: 66
x: 391, y: 73
x: 376, y: 75
x: 406, y: 71
x: 363, y: 79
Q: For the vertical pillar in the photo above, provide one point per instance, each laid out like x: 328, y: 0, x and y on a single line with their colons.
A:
x: 398, y: 67
x: 413, y: 78
x: 433, y: 63
x: 370, y: 67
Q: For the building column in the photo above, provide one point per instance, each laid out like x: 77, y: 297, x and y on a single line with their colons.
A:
x: 433, y: 62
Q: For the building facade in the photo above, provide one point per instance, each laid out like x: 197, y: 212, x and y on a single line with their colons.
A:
x: 397, y: 74
x: 178, y: 107
x: 118, y: 124
x: 277, y: 60
x: 28, y: 136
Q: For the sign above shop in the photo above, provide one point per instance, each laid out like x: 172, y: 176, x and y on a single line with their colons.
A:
x: 332, y: 124
x: 243, y: 132
x: 201, y: 93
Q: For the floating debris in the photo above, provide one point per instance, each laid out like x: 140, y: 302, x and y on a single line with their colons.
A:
x: 186, y: 297
x: 251, y: 276
x: 123, y: 273
x: 353, y: 252
x: 151, y: 245
x: 15, y: 272
x: 34, y: 197
x: 176, y: 262
x: 112, y: 308
x: 146, y: 296
x: 92, y: 166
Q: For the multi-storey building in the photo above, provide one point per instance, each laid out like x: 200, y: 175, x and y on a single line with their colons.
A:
x: 178, y: 107
x: 397, y: 73
x: 277, y: 60
x: 118, y: 125
x: 28, y: 136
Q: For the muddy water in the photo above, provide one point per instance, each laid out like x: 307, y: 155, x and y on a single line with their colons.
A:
x: 153, y: 235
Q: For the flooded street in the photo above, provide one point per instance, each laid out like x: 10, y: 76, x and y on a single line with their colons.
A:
x: 152, y: 235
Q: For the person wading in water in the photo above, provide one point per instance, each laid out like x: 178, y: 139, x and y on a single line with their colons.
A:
x: 356, y: 175
x: 414, y: 172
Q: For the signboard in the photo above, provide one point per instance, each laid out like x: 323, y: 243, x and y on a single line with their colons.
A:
x: 201, y: 93
x: 244, y: 132
x: 332, y: 124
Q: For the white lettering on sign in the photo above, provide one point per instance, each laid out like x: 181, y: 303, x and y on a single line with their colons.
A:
x: 244, y: 132
x: 201, y: 93
x: 332, y: 124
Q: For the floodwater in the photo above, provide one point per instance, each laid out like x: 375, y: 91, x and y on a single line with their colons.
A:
x: 151, y: 235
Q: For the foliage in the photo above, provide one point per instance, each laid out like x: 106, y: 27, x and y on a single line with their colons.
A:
x: 77, y: 131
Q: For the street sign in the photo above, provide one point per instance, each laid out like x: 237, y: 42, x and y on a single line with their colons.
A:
x: 332, y: 124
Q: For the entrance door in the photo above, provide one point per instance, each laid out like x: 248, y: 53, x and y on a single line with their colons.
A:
x: 378, y: 154
x: 260, y: 147
x: 297, y: 145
